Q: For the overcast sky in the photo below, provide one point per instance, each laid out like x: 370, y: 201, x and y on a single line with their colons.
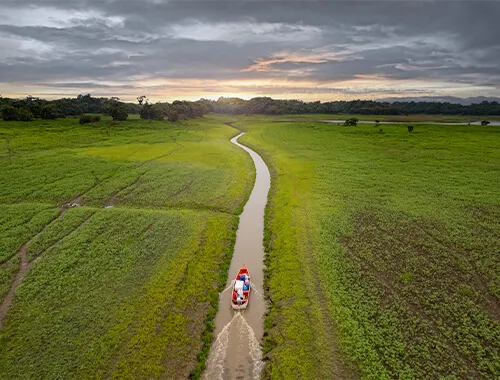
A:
x: 311, y: 50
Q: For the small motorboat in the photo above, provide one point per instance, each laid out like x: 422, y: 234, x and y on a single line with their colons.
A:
x: 241, y: 289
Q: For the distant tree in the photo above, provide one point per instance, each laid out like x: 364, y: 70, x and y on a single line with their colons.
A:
x: 49, y: 112
x: 32, y: 104
x: 173, y: 116
x: 146, y: 111
x: 119, y: 113
x: 24, y: 115
x: 9, y: 113
x: 117, y: 110
x: 484, y: 122
x: 410, y: 128
x: 68, y: 107
x: 151, y: 112
x: 351, y: 122
x: 158, y: 112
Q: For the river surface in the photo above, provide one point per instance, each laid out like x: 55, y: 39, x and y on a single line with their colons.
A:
x: 236, y: 351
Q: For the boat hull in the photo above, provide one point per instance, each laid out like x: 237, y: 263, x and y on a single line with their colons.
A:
x: 239, y: 307
x: 234, y: 303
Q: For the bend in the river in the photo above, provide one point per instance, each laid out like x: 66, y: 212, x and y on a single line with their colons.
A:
x: 236, y: 351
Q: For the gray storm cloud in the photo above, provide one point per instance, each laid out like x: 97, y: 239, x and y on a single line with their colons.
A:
x: 124, y: 45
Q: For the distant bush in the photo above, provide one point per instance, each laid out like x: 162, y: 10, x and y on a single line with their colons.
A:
x: 173, y: 116
x: 156, y: 111
x: 157, y: 115
x: 49, y: 112
x: 24, y: 115
x: 484, y: 122
x: 10, y: 113
x: 410, y: 128
x: 146, y: 113
x: 86, y: 119
x: 119, y: 114
x: 352, y: 122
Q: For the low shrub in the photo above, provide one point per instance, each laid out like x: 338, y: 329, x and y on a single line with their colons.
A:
x: 119, y: 114
x: 352, y: 122
x: 158, y: 116
x: 86, y: 119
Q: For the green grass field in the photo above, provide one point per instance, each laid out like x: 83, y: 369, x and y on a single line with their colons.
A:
x: 126, y: 284
x: 388, y: 243
x: 382, y: 247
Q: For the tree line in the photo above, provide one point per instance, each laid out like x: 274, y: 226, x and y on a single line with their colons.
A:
x: 31, y: 107
x: 84, y: 106
x: 269, y: 106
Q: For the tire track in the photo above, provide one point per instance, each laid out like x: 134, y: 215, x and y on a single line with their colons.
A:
x: 25, y: 264
x: 113, y: 198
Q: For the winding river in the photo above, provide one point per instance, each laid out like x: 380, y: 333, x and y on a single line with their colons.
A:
x: 236, y: 351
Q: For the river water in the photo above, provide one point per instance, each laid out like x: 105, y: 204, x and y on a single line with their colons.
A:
x: 236, y: 351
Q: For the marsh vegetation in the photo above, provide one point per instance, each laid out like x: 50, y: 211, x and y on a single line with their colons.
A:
x: 392, y: 240
x: 128, y: 229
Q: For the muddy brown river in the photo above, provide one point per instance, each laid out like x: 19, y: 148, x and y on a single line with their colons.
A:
x: 236, y: 351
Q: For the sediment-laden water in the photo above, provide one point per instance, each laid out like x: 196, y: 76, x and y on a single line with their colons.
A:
x: 236, y: 351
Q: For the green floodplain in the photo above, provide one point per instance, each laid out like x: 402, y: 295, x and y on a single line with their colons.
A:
x: 388, y: 243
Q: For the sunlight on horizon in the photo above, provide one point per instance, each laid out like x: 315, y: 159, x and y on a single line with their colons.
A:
x: 165, y: 89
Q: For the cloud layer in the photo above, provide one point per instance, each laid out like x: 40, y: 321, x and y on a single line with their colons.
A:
x: 302, y: 49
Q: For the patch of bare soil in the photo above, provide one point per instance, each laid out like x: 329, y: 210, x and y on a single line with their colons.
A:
x: 26, y: 264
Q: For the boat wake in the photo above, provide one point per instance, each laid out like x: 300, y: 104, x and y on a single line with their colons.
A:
x: 215, y: 362
x: 225, y: 290
x: 254, y: 351
x: 256, y: 292
x: 220, y: 366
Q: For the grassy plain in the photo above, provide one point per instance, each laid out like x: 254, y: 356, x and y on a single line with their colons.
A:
x: 413, y: 118
x: 127, y: 291
x: 389, y: 245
